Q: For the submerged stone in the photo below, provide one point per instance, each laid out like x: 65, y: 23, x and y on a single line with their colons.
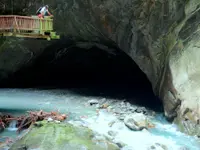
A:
x: 62, y: 136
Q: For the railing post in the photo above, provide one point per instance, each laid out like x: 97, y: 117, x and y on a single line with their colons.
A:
x: 46, y: 25
x: 41, y: 26
x: 14, y: 24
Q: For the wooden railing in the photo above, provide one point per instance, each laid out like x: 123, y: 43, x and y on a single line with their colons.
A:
x: 20, y: 24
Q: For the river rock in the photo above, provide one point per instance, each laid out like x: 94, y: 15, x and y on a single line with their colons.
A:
x: 63, y: 136
x: 158, y: 146
x: 110, y: 108
x: 117, y: 110
x: 141, y: 110
x: 121, y: 117
x: 102, y: 101
x: 127, y: 148
x: 110, y: 124
x: 184, y: 148
x: 136, y: 121
x: 93, y: 101
x: 188, y: 126
x: 112, y: 133
x: 132, y: 108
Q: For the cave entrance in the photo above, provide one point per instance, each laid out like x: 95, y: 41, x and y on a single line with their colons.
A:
x: 93, y: 72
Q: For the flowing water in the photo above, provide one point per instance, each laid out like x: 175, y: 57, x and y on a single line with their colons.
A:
x: 17, y: 101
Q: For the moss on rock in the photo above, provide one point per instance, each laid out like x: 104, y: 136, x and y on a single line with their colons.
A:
x: 61, y: 136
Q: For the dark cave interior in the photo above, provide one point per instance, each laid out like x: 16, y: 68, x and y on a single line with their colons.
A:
x: 90, y: 71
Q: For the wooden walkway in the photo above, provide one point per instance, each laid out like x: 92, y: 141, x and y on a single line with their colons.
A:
x: 27, y: 26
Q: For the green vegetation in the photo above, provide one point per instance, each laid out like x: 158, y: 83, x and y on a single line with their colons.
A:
x: 61, y: 136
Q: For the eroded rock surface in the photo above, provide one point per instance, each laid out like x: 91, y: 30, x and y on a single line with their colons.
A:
x: 136, y: 121
x: 54, y: 136
x: 161, y: 36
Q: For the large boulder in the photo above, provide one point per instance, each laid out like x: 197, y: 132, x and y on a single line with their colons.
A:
x: 54, y: 136
x: 136, y: 121
x: 161, y: 36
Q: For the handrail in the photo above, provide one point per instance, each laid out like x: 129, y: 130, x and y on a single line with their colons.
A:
x: 20, y: 23
x: 24, y: 17
x: 27, y: 26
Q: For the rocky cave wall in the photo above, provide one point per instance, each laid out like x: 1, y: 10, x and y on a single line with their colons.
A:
x: 161, y: 36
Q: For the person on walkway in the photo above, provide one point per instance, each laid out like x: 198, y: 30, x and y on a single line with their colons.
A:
x: 43, y: 11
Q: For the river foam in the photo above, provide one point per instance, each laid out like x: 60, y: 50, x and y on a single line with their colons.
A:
x: 16, y: 100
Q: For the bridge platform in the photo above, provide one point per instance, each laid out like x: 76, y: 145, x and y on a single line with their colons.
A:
x: 27, y: 27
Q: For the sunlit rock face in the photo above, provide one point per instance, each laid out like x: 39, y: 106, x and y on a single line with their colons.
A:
x: 161, y: 36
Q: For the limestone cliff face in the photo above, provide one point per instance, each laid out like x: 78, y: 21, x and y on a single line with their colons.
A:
x: 161, y: 36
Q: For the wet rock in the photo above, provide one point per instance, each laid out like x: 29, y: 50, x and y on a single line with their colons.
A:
x: 132, y: 109
x: 152, y: 113
x: 127, y: 148
x: 121, y: 117
x: 99, y: 138
x: 141, y: 110
x: 52, y: 136
x: 136, y: 122
x: 128, y: 105
x: 119, y: 143
x: 117, y: 110
x: 112, y: 133
x: 109, y: 108
x: 188, y: 126
x: 93, y: 101
x: 110, y: 124
x: 158, y: 146
x: 104, y: 106
x: 102, y: 101
x: 122, y: 104
x: 101, y: 141
x: 184, y: 148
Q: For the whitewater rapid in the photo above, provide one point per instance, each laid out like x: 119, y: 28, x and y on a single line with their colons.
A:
x: 17, y: 101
